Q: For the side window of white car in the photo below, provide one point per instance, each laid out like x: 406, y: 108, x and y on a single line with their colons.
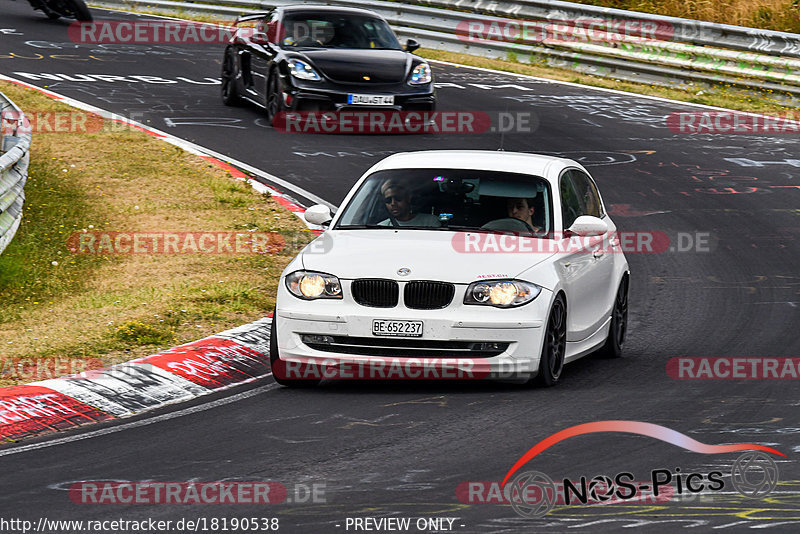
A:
x: 571, y: 207
x: 587, y: 194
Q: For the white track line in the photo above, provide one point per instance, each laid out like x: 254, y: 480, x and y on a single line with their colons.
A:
x: 143, y: 422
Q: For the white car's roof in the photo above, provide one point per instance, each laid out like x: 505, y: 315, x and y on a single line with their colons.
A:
x: 489, y: 160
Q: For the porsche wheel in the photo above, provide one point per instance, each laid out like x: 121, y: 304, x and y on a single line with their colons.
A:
x: 230, y: 94
x: 274, y: 97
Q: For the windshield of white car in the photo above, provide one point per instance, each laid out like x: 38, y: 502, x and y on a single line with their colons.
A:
x: 458, y: 200
x: 331, y: 30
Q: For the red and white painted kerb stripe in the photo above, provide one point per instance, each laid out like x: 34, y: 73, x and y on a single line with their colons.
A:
x: 178, y: 374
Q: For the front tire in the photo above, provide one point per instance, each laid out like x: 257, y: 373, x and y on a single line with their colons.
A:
x: 278, y: 368
x: 554, y: 348
x: 274, y: 98
x: 230, y: 93
x: 619, y: 323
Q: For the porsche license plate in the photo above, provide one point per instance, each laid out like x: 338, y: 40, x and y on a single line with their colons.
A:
x: 371, y: 100
x: 384, y: 327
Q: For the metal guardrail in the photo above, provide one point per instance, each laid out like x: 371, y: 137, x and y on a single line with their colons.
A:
x: 13, y: 170
x: 684, y: 52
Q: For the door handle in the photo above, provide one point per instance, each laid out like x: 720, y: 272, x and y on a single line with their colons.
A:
x: 597, y: 253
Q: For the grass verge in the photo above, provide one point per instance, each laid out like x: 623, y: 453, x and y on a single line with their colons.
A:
x: 91, y: 309
x: 779, y: 15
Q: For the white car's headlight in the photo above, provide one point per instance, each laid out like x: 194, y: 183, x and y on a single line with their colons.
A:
x: 303, y: 71
x: 309, y: 285
x: 421, y: 74
x: 501, y: 293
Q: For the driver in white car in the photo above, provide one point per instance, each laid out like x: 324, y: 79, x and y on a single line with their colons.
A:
x: 522, y: 209
x: 398, y: 203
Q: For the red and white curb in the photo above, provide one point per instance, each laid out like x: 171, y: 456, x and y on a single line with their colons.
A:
x: 182, y: 373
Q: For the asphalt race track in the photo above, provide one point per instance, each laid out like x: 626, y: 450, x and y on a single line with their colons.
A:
x: 401, y: 449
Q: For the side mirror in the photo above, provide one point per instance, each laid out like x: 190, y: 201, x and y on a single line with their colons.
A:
x: 412, y: 45
x: 319, y: 214
x: 586, y: 225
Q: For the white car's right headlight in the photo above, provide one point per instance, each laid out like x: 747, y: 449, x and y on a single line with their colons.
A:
x: 310, y: 285
x: 501, y: 293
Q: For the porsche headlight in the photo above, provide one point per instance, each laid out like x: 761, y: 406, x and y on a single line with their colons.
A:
x: 501, y: 293
x: 309, y: 285
x: 303, y: 71
x: 421, y: 74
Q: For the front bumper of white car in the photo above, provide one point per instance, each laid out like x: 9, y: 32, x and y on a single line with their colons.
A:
x: 333, y: 339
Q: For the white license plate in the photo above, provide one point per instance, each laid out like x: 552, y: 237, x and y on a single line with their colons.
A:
x: 383, y: 327
x: 371, y: 100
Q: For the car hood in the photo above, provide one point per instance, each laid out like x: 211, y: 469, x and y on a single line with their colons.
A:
x: 350, y: 66
x: 429, y: 254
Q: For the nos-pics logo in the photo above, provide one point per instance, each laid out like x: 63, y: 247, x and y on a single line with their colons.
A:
x: 533, y: 494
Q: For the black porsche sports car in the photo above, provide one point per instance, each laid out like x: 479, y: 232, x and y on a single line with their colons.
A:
x: 320, y: 58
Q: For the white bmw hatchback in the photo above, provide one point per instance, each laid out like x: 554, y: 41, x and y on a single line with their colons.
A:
x: 454, y: 264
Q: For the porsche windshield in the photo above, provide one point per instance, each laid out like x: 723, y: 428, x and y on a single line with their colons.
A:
x: 332, y: 30
x: 451, y: 199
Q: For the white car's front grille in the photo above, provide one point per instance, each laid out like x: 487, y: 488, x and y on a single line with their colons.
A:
x: 418, y: 295
x: 375, y: 292
x: 428, y: 295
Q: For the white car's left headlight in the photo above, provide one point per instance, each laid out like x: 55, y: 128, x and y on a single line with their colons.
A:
x: 420, y: 75
x: 309, y: 285
x: 501, y: 293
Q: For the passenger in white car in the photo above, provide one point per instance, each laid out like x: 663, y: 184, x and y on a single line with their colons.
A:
x: 397, y: 199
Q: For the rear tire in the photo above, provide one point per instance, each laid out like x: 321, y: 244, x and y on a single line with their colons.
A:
x: 619, y: 323
x: 230, y: 94
x: 278, y: 369
x: 554, y: 348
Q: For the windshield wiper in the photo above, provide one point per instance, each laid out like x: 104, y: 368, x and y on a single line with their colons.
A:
x: 524, y: 233
x: 465, y: 229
